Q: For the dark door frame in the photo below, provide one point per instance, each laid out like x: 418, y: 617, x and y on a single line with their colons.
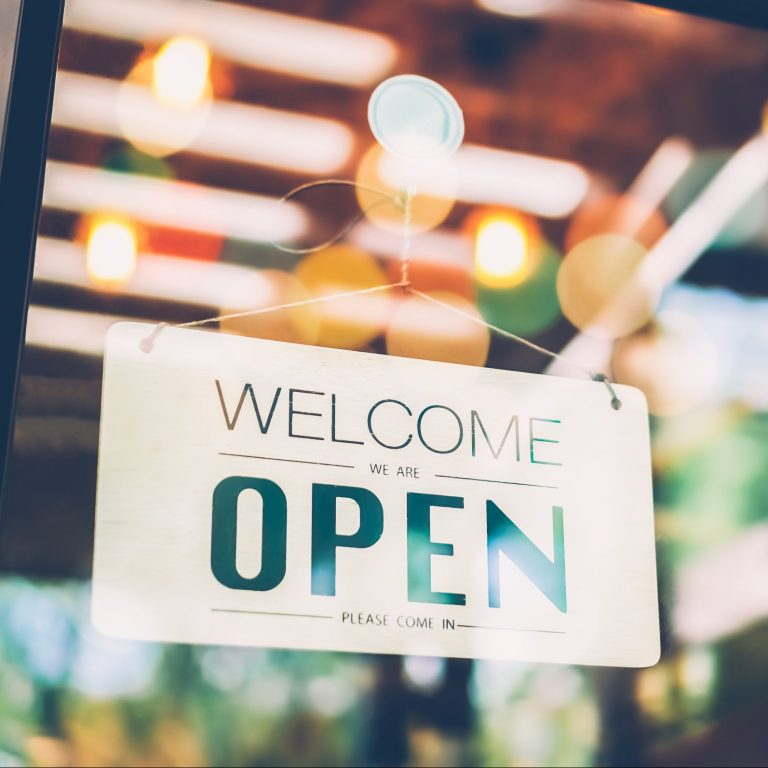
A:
x: 750, y: 13
x: 29, y: 67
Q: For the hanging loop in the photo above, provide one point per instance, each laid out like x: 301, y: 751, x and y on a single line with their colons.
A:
x: 615, y: 402
x: 397, y: 200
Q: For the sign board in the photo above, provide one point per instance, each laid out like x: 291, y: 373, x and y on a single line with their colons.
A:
x: 260, y: 493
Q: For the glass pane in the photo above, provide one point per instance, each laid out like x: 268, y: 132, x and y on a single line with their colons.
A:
x: 602, y: 140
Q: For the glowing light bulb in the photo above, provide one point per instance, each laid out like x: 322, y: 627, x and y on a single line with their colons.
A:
x: 520, y: 8
x: 502, y: 251
x: 180, y: 72
x: 111, y: 251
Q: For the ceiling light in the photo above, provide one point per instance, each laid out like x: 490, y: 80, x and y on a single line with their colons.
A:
x: 539, y: 185
x: 82, y: 332
x: 255, y: 37
x: 181, y: 205
x: 520, y: 8
x: 180, y: 72
x: 230, y: 131
x: 167, y: 278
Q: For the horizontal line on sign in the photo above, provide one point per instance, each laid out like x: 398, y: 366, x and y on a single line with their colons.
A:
x: 513, y: 629
x: 504, y: 482
x: 292, y: 461
x: 272, y: 613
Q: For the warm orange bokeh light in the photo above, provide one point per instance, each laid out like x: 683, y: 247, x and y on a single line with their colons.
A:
x: 180, y: 71
x: 111, y: 251
x: 506, y: 247
x: 152, y: 119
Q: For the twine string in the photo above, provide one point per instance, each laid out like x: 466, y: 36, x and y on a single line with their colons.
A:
x: 386, y: 197
x: 615, y: 402
x: 405, y: 202
x: 405, y: 253
x: 293, y: 304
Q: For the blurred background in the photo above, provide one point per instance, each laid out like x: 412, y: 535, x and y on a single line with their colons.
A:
x: 610, y: 202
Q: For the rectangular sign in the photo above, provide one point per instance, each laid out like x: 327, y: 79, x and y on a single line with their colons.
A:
x: 260, y: 493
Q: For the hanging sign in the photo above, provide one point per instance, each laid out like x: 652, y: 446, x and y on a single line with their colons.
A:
x: 260, y: 493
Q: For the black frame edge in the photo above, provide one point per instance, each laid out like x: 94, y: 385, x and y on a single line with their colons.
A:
x: 22, y: 168
x: 748, y: 13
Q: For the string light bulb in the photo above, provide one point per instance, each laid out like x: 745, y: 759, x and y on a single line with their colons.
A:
x: 180, y: 72
x: 503, y: 250
x: 111, y: 251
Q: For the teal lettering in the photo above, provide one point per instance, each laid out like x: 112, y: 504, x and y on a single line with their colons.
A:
x: 373, y: 434
x: 224, y: 533
x: 325, y: 539
x: 534, y: 439
x: 421, y: 548
x: 458, y: 423
x: 333, y: 426
x: 293, y: 412
x: 248, y: 389
x: 505, y: 537
x: 496, y: 454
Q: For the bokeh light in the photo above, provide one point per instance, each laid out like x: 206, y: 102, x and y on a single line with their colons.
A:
x: 111, y: 251
x: 297, y: 324
x: 170, y: 241
x: 529, y: 307
x: 433, y: 184
x: 698, y: 671
x: 501, y: 253
x: 425, y: 330
x: 424, y: 673
x: 353, y: 322
x: 597, y: 289
x: 127, y: 159
x: 520, y: 8
x: 618, y: 215
x: 180, y: 72
x: 653, y: 689
x: 159, y: 126
x: 673, y: 363
x: 506, y: 249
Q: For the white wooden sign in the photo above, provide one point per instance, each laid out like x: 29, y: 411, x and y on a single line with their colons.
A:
x: 259, y: 493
